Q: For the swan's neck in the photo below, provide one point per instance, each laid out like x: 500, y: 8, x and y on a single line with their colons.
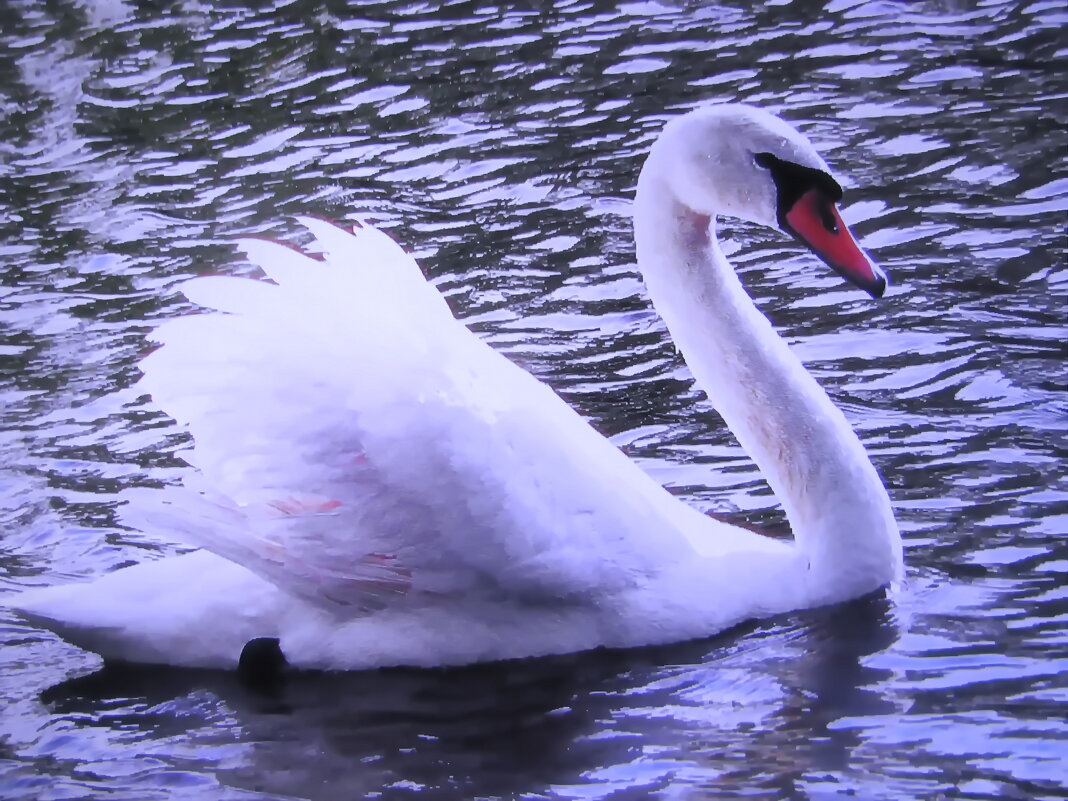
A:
x: 838, y: 509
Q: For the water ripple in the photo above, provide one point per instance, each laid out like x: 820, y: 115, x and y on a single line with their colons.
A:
x: 501, y: 145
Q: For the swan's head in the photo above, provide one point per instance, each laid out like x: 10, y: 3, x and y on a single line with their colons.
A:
x: 741, y: 161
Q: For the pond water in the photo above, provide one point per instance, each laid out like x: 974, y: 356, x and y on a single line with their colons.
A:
x: 501, y: 144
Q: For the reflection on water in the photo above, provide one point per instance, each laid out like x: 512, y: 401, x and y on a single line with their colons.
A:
x: 501, y: 145
x: 614, y: 719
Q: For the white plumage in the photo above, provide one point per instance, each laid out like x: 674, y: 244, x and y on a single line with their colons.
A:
x: 377, y: 486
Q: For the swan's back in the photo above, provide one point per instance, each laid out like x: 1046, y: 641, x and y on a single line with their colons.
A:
x: 361, y: 446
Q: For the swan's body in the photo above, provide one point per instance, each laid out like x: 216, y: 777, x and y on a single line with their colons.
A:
x: 386, y: 489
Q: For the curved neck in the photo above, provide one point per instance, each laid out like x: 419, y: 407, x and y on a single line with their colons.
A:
x: 838, y: 509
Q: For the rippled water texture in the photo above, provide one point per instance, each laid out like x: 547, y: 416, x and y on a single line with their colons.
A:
x: 501, y: 144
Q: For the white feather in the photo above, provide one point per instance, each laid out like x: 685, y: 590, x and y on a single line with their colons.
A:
x: 377, y: 486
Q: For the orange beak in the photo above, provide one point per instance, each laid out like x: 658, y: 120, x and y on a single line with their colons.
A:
x: 814, y: 220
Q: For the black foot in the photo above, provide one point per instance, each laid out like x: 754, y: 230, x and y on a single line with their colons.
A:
x: 262, y: 666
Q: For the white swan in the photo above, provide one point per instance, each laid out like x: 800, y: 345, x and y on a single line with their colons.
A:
x: 388, y: 490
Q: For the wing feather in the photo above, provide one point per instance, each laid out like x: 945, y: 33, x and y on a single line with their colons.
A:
x: 362, y: 445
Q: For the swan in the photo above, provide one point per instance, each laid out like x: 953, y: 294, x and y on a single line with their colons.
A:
x: 376, y: 486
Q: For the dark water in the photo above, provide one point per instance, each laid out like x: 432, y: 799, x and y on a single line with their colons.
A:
x: 501, y: 144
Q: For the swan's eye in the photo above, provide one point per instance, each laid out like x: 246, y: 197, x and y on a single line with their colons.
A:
x: 793, y: 181
x: 827, y: 217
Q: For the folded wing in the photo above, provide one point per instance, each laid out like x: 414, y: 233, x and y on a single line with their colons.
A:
x: 360, y: 447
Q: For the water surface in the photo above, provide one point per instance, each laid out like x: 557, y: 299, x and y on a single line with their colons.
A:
x: 501, y: 144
